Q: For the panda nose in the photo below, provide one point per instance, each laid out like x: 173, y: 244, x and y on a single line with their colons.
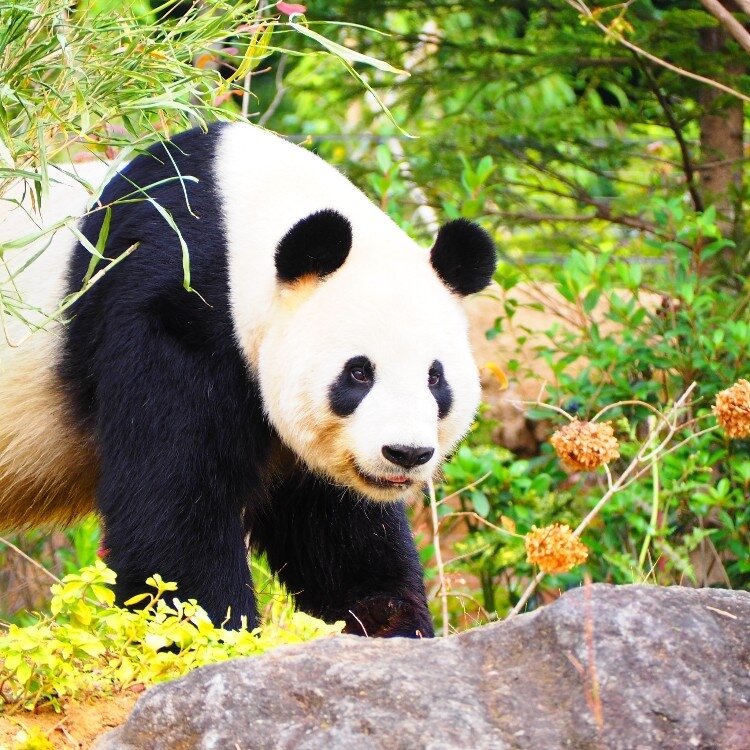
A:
x: 407, y: 455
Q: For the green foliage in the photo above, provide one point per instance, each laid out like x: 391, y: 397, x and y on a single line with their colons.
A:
x: 580, y: 131
x: 89, y: 647
x: 103, y: 79
x: 100, y: 80
x: 23, y: 587
x: 632, y: 332
x: 102, y: 75
x: 510, y: 495
x: 83, y: 539
x: 660, y: 328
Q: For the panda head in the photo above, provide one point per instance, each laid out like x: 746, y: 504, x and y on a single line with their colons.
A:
x: 364, y: 366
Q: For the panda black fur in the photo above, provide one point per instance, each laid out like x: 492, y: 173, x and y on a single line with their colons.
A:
x: 320, y: 366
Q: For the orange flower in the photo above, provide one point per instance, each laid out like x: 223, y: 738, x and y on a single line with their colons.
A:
x: 554, y: 548
x: 732, y: 410
x: 583, y: 446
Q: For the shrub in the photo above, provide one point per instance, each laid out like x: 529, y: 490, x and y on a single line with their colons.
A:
x: 644, y: 334
x: 88, y: 647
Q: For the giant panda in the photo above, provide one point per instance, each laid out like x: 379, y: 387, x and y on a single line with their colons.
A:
x: 306, y: 384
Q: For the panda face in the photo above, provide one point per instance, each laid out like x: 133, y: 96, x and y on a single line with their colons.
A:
x: 374, y: 390
x: 366, y: 371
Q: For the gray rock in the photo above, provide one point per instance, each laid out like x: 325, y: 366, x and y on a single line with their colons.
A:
x: 603, y: 668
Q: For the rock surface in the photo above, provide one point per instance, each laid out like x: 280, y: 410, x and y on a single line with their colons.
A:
x: 603, y: 668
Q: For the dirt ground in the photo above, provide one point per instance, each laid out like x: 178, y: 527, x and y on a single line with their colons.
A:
x: 77, y: 727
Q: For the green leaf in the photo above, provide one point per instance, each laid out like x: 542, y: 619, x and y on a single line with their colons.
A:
x: 480, y: 502
x: 591, y: 300
x: 383, y: 158
x: 103, y: 594
x: 349, y: 55
x: 256, y: 50
x: 23, y: 672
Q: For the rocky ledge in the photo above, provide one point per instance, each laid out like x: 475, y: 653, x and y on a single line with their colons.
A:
x: 603, y: 668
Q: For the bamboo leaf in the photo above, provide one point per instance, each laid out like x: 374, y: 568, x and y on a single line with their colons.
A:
x: 351, y: 56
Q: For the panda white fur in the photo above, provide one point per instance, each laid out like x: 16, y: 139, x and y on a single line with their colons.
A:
x: 321, y: 365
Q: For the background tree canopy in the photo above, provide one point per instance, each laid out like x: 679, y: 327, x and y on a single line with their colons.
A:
x: 582, y: 132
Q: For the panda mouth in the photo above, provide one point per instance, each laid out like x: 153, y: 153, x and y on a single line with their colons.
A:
x: 397, y: 480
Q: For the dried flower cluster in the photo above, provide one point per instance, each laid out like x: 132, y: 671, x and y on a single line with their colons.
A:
x: 583, y: 446
x: 554, y: 548
x: 732, y: 410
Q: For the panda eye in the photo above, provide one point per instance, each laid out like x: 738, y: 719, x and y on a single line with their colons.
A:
x: 361, y: 372
x: 358, y: 374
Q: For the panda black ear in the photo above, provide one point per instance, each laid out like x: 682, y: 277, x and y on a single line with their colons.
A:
x: 317, y: 244
x: 464, y: 256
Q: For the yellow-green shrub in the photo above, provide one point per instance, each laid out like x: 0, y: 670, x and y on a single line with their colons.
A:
x: 88, y: 646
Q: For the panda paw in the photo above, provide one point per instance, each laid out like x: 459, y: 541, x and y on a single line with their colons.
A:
x: 383, y: 616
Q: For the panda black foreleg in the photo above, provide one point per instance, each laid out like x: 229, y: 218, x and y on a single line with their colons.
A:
x: 203, y: 552
x: 345, y: 557
x: 177, y: 446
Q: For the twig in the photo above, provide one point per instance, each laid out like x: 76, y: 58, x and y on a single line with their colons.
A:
x: 674, y: 448
x: 278, y: 96
x: 361, y: 624
x: 640, y: 457
x: 60, y: 727
x: 519, y: 403
x: 467, y: 487
x: 645, y: 455
x: 687, y: 163
x: 654, y: 509
x: 530, y: 589
x: 438, y: 556
x: 466, y: 555
x: 722, y: 612
x: 249, y: 75
x: 28, y: 559
x: 579, y: 194
x: 476, y: 516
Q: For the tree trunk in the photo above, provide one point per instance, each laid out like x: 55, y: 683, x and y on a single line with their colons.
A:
x: 721, y: 141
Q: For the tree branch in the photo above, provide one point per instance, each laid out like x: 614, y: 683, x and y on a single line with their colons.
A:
x: 687, y: 164
x: 535, y: 218
x: 729, y: 22
x: 278, y: 96
x: 602, y: 210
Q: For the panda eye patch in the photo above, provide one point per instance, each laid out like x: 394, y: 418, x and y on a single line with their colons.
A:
x: 439, y: 388
x: 354, y: 382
